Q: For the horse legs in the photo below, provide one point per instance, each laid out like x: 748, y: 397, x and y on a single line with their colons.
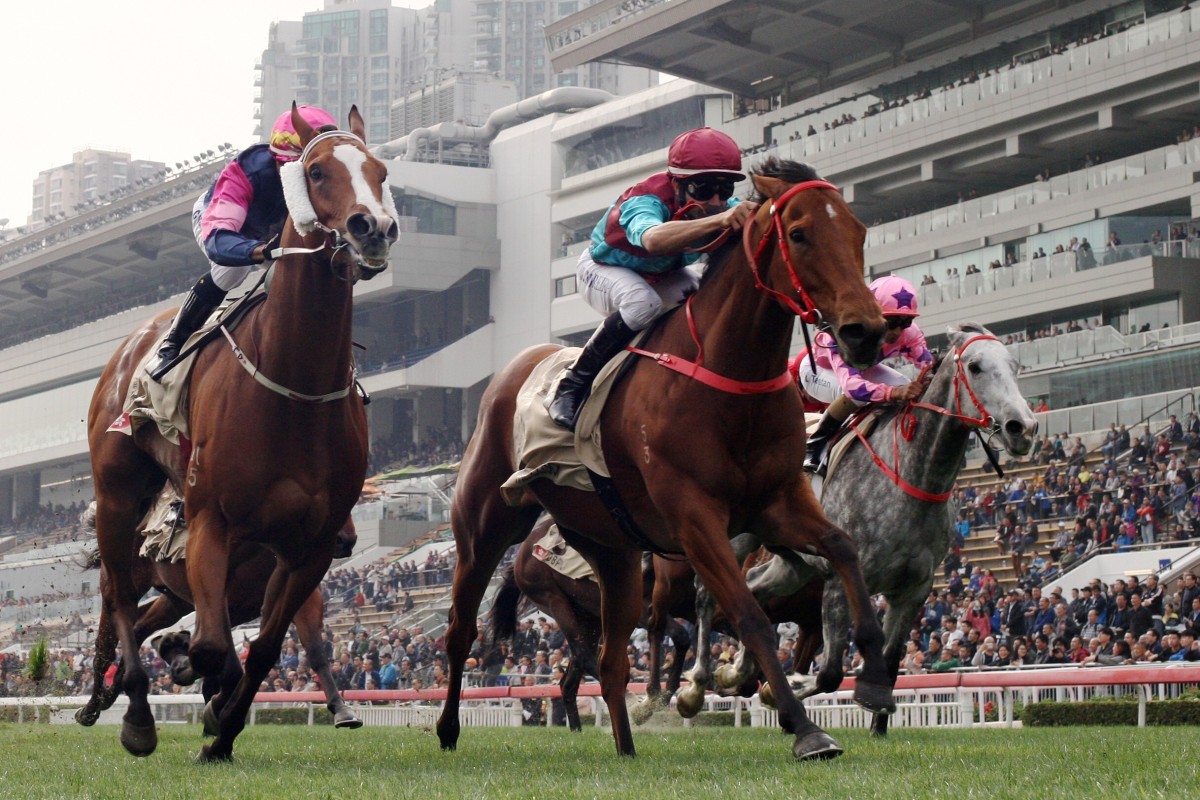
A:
x: 681, y: 641
x: 897, y: 622
x: 106, y: 651
x: 820, y: 536
x: 117, y: 514
x: 481, y: 541
x: 287, y: 591
x: 308, y: 627
x: 208, y: 577
x: 717, y: 568
x: 620, y: 576
x: 690, y: 698
x: 569, y: 686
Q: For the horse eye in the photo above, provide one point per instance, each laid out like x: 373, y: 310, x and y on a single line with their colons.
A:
x: 796, y: 235
x: 315, y: 173
x: 974, y: 368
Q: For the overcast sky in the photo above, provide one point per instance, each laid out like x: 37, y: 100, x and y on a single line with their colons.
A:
x: 159, y: 79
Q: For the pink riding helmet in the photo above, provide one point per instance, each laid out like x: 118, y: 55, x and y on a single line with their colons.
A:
x: 285, y: 142
x: 896, y: 296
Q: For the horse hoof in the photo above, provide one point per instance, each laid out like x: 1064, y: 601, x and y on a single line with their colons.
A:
x: 875, y: 697
x: 642, y: 712
x: 688, y: 704
x: 726, y: 679
x: 87, y: 718
x: 346, y: 719
x: 803, y: 686
x: 209, y: 755
x: 766, y: 695
x: 139, y: 740
x: 815, y: 746
x: 212, y: 724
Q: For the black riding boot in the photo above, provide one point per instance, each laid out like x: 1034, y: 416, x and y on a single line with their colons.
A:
x: 576, y: 383
x: 837, y: 413
x: 200, y: 302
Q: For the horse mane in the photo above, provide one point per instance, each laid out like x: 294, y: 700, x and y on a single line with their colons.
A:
x: 773, y: 167
x: 784, y: 170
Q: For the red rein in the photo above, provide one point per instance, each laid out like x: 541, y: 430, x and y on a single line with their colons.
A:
x: 805, y: 309
x: 905, y: 425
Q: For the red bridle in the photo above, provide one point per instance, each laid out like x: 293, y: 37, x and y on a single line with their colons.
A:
x: 905, y: 424
x: 806, y: 309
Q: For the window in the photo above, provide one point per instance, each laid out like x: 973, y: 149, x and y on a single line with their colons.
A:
x: 432, y: 216
x: 564, y: 287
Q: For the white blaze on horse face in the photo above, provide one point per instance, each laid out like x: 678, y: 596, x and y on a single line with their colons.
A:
x: 831, y: 211
x: 354, y: 159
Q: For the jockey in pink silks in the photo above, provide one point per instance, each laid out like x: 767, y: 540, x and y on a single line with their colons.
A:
x: 841, y: 388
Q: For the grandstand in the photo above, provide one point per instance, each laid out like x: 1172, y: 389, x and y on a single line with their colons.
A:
x: 971, y: 137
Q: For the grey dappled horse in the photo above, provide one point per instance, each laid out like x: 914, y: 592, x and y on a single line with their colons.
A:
x: 902, y: 525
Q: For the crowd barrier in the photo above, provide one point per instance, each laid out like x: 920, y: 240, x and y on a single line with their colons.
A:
x: 952, y: 699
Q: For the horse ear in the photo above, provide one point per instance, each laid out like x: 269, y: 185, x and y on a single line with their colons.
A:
x: 302, y: 127
x: 769, y: 187
x: 357, y: 127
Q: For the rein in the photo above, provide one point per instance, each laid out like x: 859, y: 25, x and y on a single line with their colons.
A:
x: 805, y: 309
x: 905, y: 425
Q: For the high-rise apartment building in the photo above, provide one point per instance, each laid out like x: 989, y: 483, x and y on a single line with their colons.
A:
x: 370, y: 53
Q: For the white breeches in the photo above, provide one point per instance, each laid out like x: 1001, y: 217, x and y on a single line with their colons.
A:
x: 823, y: 386
x: 608, y: 289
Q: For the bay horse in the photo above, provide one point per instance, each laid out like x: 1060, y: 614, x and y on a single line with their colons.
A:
x: 252, y: 569
x: 574, y: 603
x: 890, y: 492
x: 278, y: 448
x: 697, y: 455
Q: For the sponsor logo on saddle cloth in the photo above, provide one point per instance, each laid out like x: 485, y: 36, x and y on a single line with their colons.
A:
x: 546, y: 450
x: 864, y: 420
x: 554, y: 552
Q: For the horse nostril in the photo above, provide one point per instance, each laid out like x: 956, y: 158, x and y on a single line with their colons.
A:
x: 1015, y: 428
x: 393, y: 231
x: 852, y: 333
x: 360, y: 226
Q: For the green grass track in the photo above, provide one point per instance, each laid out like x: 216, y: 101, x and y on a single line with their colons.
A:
x: 287, y: 763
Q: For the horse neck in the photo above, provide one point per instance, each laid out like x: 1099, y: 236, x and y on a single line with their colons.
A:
x: 745, y: 334
x: 304, y: 327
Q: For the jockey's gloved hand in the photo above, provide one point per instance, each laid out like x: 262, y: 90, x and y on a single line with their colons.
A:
x: 271, y: 245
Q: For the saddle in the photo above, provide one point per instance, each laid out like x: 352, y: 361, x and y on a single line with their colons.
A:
x: 544, y: 449
x: 864, y: 420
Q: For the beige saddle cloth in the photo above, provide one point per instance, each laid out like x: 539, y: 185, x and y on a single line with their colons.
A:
x: 546, y: 450
x: 554, y: 552
x: 165, y: 404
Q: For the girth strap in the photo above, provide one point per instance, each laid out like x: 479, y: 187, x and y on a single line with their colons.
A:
x: 606, y: 491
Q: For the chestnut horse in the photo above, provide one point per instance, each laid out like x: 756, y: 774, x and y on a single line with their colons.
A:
x: 278, y: 435
x: 697, y: 453
x: 252, y: 570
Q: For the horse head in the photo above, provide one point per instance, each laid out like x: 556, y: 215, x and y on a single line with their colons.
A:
x: 983, y: 386
x: 339, y: 188
x: 816, y: 268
